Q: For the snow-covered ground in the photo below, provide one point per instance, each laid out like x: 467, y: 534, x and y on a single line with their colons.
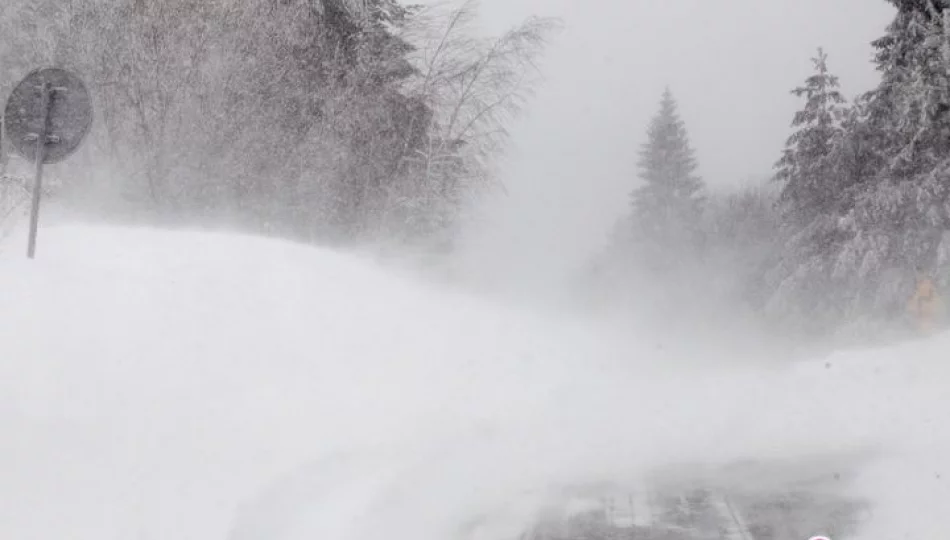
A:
x: 160, y: 385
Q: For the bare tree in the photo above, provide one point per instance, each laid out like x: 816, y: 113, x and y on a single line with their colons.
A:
x: 475, y: 88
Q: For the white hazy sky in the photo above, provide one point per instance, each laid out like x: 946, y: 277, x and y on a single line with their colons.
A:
x: 730, y: 64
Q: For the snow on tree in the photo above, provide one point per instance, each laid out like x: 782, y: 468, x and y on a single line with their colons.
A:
x: 900, y: 217
x: 811, y: 201
x: 312, y: 119
x: 864, y: 202
x: 474, y: 87
x: 805, y: 168
x: 911, y: 102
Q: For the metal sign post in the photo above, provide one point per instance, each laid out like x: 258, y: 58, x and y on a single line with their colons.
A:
x: 3, y: 158
x: 46, y: 118
x: 41, y: 135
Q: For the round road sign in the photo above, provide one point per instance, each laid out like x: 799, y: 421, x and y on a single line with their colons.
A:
x: 70, y: 114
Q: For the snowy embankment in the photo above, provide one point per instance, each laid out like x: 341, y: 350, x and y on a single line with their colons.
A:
x: 196, y: 386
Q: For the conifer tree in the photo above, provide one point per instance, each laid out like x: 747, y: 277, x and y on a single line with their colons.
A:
x: 913, y: 100
x: 900, y: 216
x: 805, y: 168
x: 811, y: 202
x: 667, y: 207
x: 891, y: 171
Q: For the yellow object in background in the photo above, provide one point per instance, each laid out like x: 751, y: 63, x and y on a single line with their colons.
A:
x: 925, y: 306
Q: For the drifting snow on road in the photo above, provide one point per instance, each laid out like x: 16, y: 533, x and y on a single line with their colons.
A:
x: 197, y: 385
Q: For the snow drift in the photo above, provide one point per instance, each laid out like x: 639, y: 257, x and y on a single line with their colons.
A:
x: 198, y: 385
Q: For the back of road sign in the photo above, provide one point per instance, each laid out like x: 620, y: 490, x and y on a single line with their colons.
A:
x: 70, y: 114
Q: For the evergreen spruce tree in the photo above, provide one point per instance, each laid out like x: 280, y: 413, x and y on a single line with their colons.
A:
x: 656, y: 248
x: 667, y: 208
x: 901, y: 214
x: 812, y: 200
x: 805, y: 169
x: 913, y: 99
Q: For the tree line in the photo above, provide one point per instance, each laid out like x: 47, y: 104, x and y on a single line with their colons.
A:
x: 857, y: 210
x: 320, y: 120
